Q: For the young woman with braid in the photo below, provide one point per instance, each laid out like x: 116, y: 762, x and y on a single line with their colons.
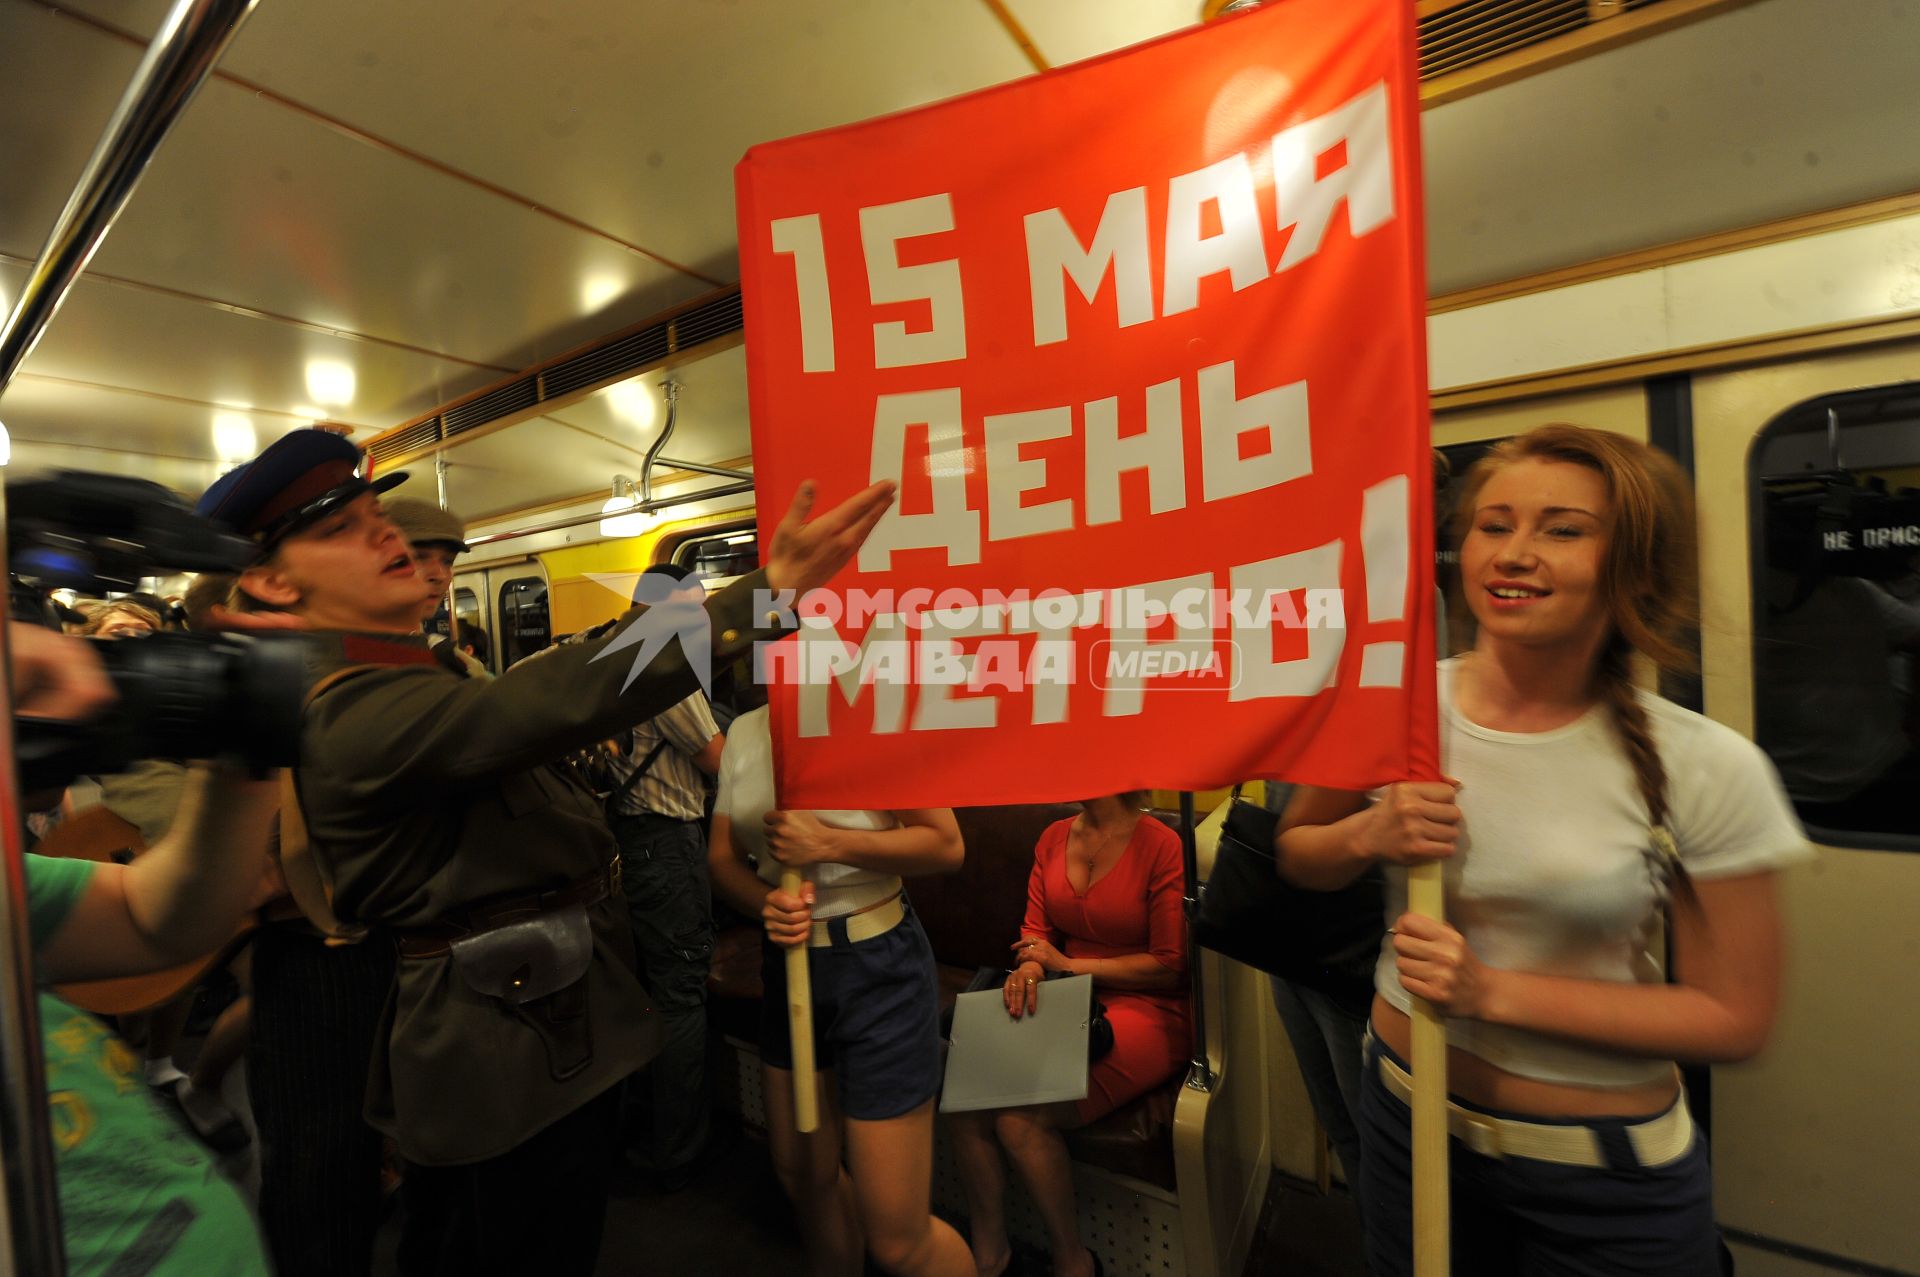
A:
x: 1581, y: 806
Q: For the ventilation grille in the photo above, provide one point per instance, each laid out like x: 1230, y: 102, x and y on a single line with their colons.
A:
x: 603, y: 364
x: 716, y: 318
x: 1477, y: 31
x: 492, y: 406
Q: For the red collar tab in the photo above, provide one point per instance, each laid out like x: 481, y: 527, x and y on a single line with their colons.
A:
x: 361, y: 650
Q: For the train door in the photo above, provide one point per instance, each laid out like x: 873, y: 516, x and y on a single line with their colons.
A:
x: 507, y: 604
x: 1808, y: 552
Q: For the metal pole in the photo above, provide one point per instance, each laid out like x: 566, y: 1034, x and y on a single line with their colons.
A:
x: 26, y: 1141
x: 452, y: 600
x: 1200, y: 1075
x: 701, y: 467
x: 184, y: 51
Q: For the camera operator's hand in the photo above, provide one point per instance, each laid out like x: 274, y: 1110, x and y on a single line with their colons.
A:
x: 54, y: 676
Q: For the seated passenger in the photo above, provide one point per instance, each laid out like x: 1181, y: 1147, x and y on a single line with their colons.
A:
x: 1581, y: 804
x: 875, y: 1010
x: 137, y: 1192
x: 1105, y: 900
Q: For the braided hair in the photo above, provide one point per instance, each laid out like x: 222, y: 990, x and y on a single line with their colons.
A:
x: 1650, y: 582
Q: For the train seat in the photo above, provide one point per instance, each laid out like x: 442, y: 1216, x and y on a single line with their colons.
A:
x: 971, y: 918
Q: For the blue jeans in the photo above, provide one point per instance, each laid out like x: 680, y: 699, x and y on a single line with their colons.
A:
x: 1326, y: 1042
x: 1529, y: 1218
x: 663, y: 870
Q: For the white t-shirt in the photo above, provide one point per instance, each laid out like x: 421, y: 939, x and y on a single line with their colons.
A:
x: 1552, y: 873
x: 745, y: 798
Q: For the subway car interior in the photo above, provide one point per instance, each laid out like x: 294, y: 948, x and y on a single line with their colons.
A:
x: 493, y: 244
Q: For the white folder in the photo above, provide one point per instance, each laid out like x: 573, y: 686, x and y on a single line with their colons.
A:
x: 997, y: 1061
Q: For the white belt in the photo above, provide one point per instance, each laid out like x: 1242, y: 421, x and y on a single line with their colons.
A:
x: 861, y: 924
x: 1656, y: 1141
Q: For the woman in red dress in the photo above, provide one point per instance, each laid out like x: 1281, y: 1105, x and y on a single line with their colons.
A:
x: 1104, y: 900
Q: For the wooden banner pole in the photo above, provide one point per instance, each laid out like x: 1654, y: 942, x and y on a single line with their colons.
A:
x: 1431, y: 1239
x: 806, y: 1101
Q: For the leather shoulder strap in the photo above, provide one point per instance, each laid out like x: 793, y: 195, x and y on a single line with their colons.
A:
x: 306, y: 881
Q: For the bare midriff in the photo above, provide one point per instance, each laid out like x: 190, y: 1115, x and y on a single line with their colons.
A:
x: 1472, y: 1079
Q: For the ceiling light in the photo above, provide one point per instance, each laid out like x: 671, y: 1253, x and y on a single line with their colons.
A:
x: 633, y: 402
x: 621, y: 515
x: 330, y: 382
x: 233, y: 437
x: 597, y: 290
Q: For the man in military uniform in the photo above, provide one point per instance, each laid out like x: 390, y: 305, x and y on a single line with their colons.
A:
x: 437, y: 537
x: 435, y: 814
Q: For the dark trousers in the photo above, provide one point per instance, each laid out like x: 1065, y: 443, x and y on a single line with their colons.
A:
x: 663, y: 870
x: 1326, y: 1038
x: 538, y: 1208
x: 315, y: 1013
x: 1518, y: 1217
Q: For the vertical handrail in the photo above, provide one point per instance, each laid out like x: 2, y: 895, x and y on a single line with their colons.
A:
x: 32, y: 1223
x: 178, y: 61
x: 182, y: 54
x: 1200, y: 1075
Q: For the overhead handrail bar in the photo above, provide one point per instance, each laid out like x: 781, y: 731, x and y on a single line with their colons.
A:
x: 701, y: 467
x: 182, y: 54
x: 594, y: 516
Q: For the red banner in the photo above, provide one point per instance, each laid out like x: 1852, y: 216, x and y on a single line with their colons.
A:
x: 1142, y: 341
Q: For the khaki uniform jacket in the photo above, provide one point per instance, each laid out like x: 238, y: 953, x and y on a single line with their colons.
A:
x: 426, y: 794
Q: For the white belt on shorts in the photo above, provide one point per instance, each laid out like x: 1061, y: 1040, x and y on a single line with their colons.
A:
x: 1656, y: 1141
x: 862, y: 924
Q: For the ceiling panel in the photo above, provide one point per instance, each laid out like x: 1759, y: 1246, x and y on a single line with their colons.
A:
x: 57, y: 92
x: 251, y: 203
x: 1073, y: 30
x: 710, y: 426
x: 628, y: 117
x: 53, y: 425
x: 130, y: 337
x: 1764, y: 112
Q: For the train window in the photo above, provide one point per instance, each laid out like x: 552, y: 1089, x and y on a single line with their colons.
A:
x: 716, y: 560
x: 525, y: 624
x: 469, y: 604
x: 1835, y: 491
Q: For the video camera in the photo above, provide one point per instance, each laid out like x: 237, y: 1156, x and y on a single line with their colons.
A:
x: 179, y: 695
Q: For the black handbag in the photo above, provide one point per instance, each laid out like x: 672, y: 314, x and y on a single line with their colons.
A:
x: 1326, y: 940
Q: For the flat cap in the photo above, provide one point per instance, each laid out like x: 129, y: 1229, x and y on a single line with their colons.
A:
x: 424, y: 523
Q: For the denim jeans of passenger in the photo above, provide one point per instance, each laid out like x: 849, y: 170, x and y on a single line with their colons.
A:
x: 1327, y: 1044
x: 1520, y: 1217
x: 663, y: 867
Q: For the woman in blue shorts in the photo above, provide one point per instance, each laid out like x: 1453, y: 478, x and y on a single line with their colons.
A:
x: 875, y: 1010
x: 1581, y: 806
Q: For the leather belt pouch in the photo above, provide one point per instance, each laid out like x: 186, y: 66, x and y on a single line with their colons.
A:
x: 521, y: 962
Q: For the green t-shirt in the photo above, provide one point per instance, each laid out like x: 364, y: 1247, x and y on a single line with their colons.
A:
x: 139, y: 1195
